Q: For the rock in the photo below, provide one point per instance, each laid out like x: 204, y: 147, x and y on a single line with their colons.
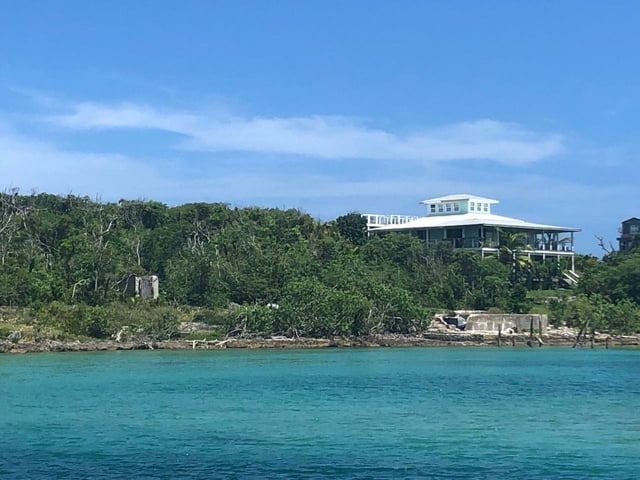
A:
x: 15, y: 337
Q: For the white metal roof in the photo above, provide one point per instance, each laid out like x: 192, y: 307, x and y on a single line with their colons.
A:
x: 459, y: 197
x: 468, y: 219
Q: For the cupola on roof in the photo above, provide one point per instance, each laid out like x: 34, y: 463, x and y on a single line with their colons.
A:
x: 459, y: 197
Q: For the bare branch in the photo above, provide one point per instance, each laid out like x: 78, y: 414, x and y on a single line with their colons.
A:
x: 608, y: 250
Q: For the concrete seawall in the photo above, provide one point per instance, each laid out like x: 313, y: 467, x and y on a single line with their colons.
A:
x: 489, y: 322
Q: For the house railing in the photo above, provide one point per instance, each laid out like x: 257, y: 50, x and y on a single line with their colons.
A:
x: 377, y: 220
x: 477, y: 242
x: 555, y: 246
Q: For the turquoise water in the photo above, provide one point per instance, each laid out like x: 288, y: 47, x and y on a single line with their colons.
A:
x: 464, y: 413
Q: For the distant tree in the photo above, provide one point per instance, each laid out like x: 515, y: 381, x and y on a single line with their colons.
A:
x: 352, y: 226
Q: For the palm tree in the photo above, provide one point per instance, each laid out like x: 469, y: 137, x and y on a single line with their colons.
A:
x: 512, y: 244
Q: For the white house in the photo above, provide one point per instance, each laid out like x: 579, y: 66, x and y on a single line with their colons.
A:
x: 467, y: 221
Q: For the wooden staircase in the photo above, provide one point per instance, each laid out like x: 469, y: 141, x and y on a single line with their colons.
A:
x: 570, y: 277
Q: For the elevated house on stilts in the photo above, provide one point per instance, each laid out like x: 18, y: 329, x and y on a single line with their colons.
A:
x: 467, y: 221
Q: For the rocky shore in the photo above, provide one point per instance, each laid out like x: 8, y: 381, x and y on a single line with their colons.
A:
x: 428, y: 339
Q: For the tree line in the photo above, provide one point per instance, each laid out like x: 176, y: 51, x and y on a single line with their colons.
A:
x: 65, y: 260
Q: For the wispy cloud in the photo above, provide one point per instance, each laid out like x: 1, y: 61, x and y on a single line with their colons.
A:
x: 28, y: 163
x: 326, y: 137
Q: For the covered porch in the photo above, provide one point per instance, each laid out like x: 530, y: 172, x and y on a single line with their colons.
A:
x: 488, y: 239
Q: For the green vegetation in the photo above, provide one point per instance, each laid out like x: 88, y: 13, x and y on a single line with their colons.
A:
x: 64, y: 261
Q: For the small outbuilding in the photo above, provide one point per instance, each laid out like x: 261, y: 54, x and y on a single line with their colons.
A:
x: 146, y: 286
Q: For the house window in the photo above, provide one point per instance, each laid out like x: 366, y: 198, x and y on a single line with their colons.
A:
x: 633, y: 228
x: 456, y: 207
x: 432, y: 208
x: 448, y: 207
x: 485, y: 207
x: 472, y: 206
x: 440, y: 208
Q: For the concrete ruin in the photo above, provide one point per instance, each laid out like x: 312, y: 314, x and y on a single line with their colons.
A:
x: 516, y: 322
x: 146, y: 286
x: 477, y: 321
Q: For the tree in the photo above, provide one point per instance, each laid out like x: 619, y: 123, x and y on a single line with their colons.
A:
x: 511, y: 246
x: 353, y: 227
x: 311, y: 308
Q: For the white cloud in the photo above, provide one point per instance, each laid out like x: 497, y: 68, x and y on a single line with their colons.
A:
x: 329, y: 137
x: 31, y: 164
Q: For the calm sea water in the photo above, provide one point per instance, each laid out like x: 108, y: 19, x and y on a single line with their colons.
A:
x: 474, y: 413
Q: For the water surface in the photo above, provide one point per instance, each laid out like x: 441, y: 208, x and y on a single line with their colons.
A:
x: 470, y: 413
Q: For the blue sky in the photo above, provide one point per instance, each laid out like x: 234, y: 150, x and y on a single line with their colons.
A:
x: 329, y: 107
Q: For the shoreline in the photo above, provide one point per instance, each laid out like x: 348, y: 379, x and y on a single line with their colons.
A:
x: 427, y: 339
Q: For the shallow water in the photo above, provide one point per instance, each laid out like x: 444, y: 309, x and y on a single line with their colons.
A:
x: 470, y: 413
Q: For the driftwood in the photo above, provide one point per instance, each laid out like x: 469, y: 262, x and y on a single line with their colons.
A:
x: 235, y: 332
x: 530, y: 341
x: 580, y: 333
x: 207, y: 343
x: 531, y: 328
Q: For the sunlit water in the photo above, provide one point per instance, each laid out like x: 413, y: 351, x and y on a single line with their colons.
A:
x: 469, y: 413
